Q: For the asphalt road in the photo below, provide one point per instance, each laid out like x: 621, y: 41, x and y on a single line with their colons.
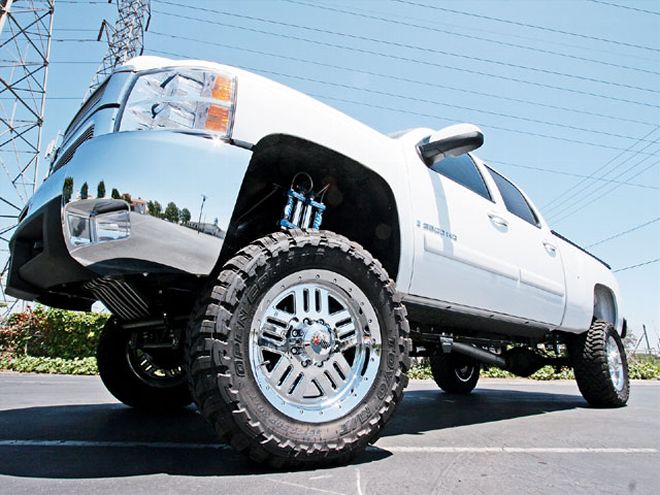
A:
x: 62, y: 434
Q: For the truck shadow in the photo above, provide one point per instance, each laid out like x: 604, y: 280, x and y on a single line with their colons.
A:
x: 111, y: 440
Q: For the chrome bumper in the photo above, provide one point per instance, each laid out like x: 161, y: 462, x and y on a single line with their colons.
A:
x: 71, y: 235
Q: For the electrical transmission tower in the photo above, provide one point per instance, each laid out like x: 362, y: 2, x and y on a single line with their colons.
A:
x: 26, y: 28
x: 125, y: 40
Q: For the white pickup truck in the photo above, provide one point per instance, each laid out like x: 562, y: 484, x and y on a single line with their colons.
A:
x: 188, y: 197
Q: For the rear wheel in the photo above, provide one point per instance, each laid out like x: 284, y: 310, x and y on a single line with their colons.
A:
x: 455, y: 373
x: 600, y: 365
x: 139, y: 372
x: 298, y: 353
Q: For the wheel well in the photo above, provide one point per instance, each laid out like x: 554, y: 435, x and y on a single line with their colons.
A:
x: 604, y: 304
x: 360, y: 204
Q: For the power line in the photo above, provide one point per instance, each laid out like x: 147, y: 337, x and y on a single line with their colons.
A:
x: 574, y: 210
x: 570, y: 174
x: 499, y: 162
x: 637, y: 265
x: 460, y: 107
x: 558, y: 199
x: 591, y: 191
x: 625, y: 232
x: 435, y: 102
x: 468, y: 36
x: 434, y: 116
x: 407, y: 59
x: 411, y: 47
x: 627, y: 7
x: 402, y: 79
x: 48, y: 98
x: 527, y: 25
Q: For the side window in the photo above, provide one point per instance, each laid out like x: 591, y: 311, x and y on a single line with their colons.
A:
x: 513, y: 199
x: 462, y: 169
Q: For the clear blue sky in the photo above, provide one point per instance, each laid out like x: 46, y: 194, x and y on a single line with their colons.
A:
x: 619, y: 81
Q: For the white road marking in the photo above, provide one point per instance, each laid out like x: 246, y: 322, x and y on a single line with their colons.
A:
x: 322, y: 477
x: 394, y: 449
x: 359, y: 487
x: 517, y: 450
x: 304, y: 487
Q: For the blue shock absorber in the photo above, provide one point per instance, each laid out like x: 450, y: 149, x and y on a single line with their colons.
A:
x: 285, y: 222
x: 319, y: 208
x: 294, y: 200
x: 297, y: 214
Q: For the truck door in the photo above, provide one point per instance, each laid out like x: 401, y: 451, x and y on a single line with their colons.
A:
x: 542, y: 284
x: 463, y: 251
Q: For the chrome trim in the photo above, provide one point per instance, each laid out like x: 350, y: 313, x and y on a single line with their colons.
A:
x: 161, y: 166
x: 315, y: 346
x: 615, y: 364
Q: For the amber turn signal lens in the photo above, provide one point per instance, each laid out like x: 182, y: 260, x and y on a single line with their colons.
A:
x: 221, y: 88
x: 217, y: 119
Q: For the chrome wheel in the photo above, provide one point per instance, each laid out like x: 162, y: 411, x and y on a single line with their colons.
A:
x: 158, y: 367
x: 615, y: 364
x: 464, y: 373
x: 315, y: 345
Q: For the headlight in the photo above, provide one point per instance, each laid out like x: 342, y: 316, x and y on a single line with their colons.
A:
x: 93, y: 221
x: 193, y: 99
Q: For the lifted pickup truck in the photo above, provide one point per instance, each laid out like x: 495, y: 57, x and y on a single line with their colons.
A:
x: 294, y: 342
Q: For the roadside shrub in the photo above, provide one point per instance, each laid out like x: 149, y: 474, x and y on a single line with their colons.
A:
x: 51, y: 332
x: 32, y: 364
x: 639, y: 369
x: 644, y: 369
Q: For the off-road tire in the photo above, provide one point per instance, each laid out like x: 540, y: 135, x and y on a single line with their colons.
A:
x: 122, y: 381
x: 444, y: 368
x: 217, y: 355
x: 589, y: 358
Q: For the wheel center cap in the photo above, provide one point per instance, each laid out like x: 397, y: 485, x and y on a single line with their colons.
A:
x: 318, y: 341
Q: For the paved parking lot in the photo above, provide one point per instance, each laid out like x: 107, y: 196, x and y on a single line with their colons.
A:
x: 62, y: 434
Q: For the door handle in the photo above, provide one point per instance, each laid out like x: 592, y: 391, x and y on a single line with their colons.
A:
x: 551, y: 248
x: 498, y: 220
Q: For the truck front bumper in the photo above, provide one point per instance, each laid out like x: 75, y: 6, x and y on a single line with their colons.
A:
x: 97, y: 216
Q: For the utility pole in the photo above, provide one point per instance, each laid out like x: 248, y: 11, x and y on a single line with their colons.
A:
x: 125, y: 40
x: 646, y: 338
x: 26, y: 28
x: 201, y: 209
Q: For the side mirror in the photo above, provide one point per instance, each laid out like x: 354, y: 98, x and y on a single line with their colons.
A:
x: 454, y: 140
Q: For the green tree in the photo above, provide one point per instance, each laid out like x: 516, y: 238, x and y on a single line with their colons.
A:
x: 84, y: 191
x: 67, y: 189
x: 171, y: 212
x: 158, y: 210
x: 185, y: 215
x: 100, y: 190
x: 115, y: 193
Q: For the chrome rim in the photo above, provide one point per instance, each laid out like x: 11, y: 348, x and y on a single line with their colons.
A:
x: 315, y: 346
x: 465, y: 373
x: 150, y: 369
x: 615, y: 363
